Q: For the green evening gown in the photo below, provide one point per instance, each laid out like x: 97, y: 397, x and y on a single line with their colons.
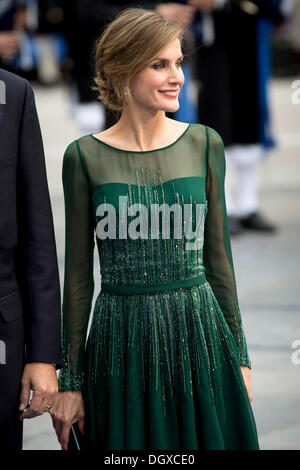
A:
x: 160, y: 369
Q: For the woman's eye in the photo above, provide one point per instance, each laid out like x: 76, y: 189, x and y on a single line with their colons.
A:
x: 158, y: 66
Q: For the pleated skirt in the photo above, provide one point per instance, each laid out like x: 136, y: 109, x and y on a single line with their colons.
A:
x: 162, y: 372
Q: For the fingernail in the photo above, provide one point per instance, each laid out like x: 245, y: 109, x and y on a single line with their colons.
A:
x: 21, y: 407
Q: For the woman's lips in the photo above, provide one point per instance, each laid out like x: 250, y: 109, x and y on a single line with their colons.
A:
x: 169, y: 93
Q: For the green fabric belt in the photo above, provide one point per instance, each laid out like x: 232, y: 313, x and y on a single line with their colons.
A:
x: 177, y: 284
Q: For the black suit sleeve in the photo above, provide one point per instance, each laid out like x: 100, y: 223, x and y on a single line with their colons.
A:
x: 37, y: 264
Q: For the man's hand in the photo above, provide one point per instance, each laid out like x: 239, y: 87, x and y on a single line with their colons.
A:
x: 246, y: 376
x: 203, y: 5
x: 39, y: 377
x: 9, y: 44
x: 177, y: 13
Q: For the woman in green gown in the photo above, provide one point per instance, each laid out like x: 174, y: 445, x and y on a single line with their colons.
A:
x: 165, y: 365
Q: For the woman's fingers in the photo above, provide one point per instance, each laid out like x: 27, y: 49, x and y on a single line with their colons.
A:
x: 47, y: 403
x: 81, y: 425
x: 57, y: 426
x: 68, y: 408
x: 64, y: 437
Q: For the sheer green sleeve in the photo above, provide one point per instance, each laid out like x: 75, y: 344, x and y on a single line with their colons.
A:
x: 78, y: 279
x: 217, y: 255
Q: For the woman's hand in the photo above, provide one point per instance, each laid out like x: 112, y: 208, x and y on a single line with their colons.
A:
x: 67, y: 410
x: 246, y: 376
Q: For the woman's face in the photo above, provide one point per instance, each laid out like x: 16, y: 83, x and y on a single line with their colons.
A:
x: 157, y: 86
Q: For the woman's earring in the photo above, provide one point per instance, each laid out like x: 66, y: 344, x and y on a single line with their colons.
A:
x: 125, y: 92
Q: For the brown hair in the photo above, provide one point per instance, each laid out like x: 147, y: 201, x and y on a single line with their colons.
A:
x: 125, y: 47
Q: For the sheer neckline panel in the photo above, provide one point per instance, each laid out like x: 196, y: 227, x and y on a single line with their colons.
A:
x: 142, y: 151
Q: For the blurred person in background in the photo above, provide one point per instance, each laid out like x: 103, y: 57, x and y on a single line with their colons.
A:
x: 12, y: 21
x: 31, y: 41
x: 295, y: 34
x: 48, y: 38
x: 17, y: 49
x: 233, y: 68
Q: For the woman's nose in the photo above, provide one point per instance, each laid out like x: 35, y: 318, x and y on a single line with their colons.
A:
x: 176, y: 75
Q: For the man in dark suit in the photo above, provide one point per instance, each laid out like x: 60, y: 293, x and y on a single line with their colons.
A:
x: 30, y: 304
